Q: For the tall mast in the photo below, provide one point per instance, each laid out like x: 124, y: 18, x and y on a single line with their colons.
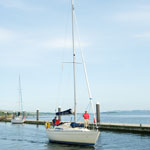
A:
x: 20, y: 95
x: 74, y: 63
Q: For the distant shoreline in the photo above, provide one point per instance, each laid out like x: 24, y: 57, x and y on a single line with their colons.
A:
x: 2, y: 112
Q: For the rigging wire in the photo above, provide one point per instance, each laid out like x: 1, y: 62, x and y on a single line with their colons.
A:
x: 85, y: 70
x: 61, y: 77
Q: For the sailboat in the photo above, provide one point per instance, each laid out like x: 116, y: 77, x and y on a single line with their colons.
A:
x: 66, y: 133
x: 18, y: 118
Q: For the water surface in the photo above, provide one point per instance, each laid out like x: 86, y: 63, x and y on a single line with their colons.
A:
x: 26, y: 137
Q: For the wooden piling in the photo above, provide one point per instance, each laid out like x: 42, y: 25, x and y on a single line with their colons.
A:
x: 23, y: 114
x: 98, y: 112
x: 59, y: 110
x: 13, y: 115
x: 37, y: 115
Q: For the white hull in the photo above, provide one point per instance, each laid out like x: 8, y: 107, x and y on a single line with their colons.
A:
x: 17, y: 120
x: 70, y: 135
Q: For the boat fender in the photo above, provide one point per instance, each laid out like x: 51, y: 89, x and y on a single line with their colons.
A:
x: 47, y: 125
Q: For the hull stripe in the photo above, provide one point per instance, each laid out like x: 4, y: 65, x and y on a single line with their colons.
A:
x: 75, y: 143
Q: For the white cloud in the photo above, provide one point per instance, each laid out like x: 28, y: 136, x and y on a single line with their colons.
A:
x: 145, y: 35
x: 144, y: 7
x: 12, y: 38
x: 60, y: 43
x: 133, y: 16
x: 12, y: 3
x: 28, y: 49
x: 6, y: 35
x: 18, y: 4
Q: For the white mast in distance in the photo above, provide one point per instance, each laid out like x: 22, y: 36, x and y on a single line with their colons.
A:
x: 20, y: 95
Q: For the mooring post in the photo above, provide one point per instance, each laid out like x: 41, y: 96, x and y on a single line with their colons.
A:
x: 23, y: 114
x: 98, y: 112
x: 59, y: 110
x: 13, y: 115
x: 5, y: 115
x: 37, y: 114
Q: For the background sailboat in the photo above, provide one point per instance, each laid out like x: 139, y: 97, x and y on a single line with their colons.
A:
x: 66, y: 133
x: 18, y: 117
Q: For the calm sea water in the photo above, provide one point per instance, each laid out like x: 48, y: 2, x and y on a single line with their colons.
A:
x: 122, y: 117
x: 26, y: 137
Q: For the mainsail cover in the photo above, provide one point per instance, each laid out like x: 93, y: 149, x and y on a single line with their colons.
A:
x: 66, y: 112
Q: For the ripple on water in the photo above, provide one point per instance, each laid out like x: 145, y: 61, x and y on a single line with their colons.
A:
x: 26, y: 137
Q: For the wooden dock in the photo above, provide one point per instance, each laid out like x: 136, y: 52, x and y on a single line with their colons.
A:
x: 119, y: 127
x: 124, y: 127
x: 34, y: 122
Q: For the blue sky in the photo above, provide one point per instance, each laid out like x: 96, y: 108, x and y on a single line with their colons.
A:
x: 35, y: 38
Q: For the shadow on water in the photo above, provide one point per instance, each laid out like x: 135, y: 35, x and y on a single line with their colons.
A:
x: 54, y: 146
